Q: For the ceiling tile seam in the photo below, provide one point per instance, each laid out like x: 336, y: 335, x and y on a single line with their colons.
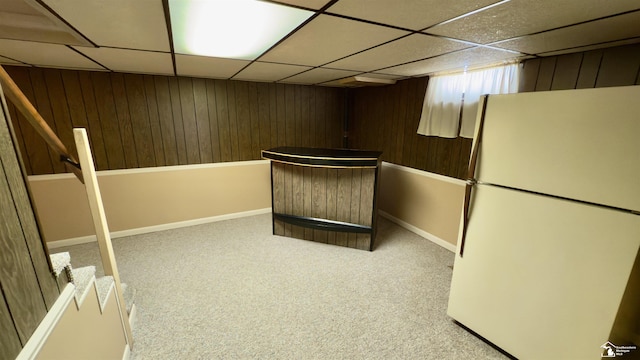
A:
x: 130, y: 49
x: 87, y: 57
x: 427, y: 58
x: 303, y: 24
x: 37, y: 41
x: 563, y: 27
x: 468, y: 14
x: 346, y: 17
x: 19, y: 61
x: 291, y: 5
x: 167, y: 20
x: 361, y: 51
x: 542, y: 54
x: 466, y: 42
x: 54, y: 13
x: 317, y: 67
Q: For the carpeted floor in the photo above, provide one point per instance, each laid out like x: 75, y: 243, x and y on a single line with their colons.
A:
x: 231, y: 290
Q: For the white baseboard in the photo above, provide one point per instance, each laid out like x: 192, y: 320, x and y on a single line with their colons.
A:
x: 445, y: 244
x: 132, y: 315
x: 37, y: 340
x: 161, y: 227
x: 126, y: 355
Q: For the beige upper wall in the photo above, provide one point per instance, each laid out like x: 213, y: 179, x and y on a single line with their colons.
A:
x: 141, y: 198
x: 429, y: 202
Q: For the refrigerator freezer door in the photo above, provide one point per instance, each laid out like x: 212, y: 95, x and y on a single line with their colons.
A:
x: 579, y: 144
x: 542, y: 278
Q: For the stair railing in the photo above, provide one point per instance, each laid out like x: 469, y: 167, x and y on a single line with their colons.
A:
x: 82, y: 172
x: 20, y: 101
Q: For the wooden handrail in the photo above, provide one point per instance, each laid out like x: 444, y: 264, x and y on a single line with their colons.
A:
x: 20, y: 101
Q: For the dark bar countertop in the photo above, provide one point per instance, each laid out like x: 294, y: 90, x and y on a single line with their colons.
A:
x: 323, y: 157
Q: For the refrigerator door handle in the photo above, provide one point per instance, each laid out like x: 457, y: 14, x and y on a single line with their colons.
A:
x: 471, y: 172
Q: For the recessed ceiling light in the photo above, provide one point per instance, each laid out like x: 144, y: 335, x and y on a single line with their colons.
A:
x: 236, y: 29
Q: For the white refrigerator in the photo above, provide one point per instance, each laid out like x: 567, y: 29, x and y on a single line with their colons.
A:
x: 547, y: 260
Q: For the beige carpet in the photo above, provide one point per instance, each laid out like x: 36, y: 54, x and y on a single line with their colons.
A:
x: 231, y: 290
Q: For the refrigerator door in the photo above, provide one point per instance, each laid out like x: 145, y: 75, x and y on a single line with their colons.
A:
x: 542, y: 278
x: 579, y: 144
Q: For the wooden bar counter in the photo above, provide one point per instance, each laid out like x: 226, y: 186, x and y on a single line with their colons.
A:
x: 325, y: 195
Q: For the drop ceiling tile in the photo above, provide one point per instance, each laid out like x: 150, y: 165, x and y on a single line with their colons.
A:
x: 30, y: 21
x: 48, y: 55
x: 522, y: 17
x: 128, y: 24
x: 208, y: 67
x: 309, y: 4
x: 595, y: 32
x: 319, y: 75
x: 261, y: 71
x: 458, y: 60
x: 327, y: 38
x: 593, y: 47
x: 4, y: 60
x: 131, y: 61
x: 408, y: 14
x: 410, y: 48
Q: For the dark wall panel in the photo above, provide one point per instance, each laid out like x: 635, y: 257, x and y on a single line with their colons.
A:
x: 28, y: 288
x: 386, y: 119
x: 147, y: 120
x: 617, y: 66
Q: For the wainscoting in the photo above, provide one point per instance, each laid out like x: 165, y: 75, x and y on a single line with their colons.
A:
x: 138, y: 121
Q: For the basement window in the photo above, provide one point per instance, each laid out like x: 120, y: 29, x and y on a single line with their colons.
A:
x: 451, y: 102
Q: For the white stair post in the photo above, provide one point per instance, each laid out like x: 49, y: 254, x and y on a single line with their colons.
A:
x: 100, y: 223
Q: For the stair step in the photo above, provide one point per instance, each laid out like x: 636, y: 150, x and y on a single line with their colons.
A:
x: 60, y: 261
x: 129, y: 295
x: 83, y: 278
x: 104, y: 285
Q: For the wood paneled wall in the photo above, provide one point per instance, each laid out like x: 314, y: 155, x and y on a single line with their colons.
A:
x: 145, y: 121
x: 28, y: 287
x: 386, y: 119
x: 617, y: 66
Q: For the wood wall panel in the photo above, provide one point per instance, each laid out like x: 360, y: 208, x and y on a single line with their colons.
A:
x: 10, y: 345
x: 28, y: 287
x: 386, y: 119
x: 152, y: 120
x: 617, y: 66
x: 178, y: 122
x: 94, y: 130
x: 567, y: 75
x: 107, y: 117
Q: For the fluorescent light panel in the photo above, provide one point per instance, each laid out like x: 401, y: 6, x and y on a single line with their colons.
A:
x: 235, y: 29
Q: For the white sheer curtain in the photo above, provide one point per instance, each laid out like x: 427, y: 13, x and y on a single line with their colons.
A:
x: 441, y: 108
x: 443, y: 112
